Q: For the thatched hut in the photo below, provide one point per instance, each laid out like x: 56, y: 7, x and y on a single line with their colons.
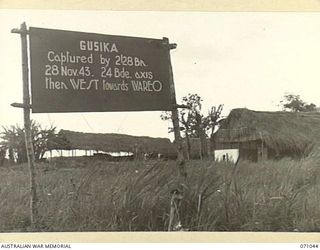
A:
x: 71, y: 140
x: 261, y: 135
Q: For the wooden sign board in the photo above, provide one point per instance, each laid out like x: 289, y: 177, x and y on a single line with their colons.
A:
x: 86, y: 72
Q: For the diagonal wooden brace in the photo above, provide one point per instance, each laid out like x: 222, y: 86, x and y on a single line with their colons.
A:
x: 21, y: 105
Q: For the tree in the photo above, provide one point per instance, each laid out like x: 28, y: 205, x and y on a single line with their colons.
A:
x: 294, y: 103
x: 13, y: 140
x: 187, y: 119
x: 194, y: 124
x: 2, y: 155
x: 213, y: 120
x: 184, y: 122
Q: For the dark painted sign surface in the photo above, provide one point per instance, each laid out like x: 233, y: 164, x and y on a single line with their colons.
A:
x: 86, y: 72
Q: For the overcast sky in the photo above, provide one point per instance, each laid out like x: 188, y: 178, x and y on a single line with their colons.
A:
x: 237, y: 59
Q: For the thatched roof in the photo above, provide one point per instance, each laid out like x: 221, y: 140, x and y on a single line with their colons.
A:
x: 281, y: 131
x: 68, y: 140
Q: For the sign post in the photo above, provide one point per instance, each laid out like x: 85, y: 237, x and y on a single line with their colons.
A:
x: 175, y: 115
x: 27, y: 123
x: 86, y: 72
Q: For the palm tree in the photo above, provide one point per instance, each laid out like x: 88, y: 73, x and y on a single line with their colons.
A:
x: 13, y: 141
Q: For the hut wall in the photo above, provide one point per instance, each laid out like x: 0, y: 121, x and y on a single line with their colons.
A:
x: 248, y: 150
x: 253, y: 150
x: 262, y: 152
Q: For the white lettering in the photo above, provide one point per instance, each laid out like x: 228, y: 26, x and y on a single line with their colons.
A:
x: 115, y: 86
x: 67, y: 57
x: 104, y: 61
x: 93, y: 82
x: 121, y: 73
x: 146, y: 86
x: 98, y: 46
x: 50, y: 84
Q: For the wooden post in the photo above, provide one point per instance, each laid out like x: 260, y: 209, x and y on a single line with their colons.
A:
x: 174, y: 218
x: 27, y: 124
x: 175, y: 115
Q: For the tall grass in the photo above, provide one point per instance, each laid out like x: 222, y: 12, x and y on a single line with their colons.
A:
x: 135, y: 196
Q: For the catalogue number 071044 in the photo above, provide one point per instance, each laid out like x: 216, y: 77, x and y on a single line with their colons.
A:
x: 309, y: 246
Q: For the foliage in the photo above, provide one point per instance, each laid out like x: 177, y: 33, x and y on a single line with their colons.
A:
x: 187, y: 115
x: 214, y: 118
x: 13, y: 140
x: 294, y: 103
x: 193, y: 123
x: 212, y: 122
x: 87, y: 195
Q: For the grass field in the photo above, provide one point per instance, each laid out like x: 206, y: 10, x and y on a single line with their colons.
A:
x: 135, y: 196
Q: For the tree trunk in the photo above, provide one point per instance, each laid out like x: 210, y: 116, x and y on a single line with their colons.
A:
x: 212, y: 147
x: 2, y: 156
x: 203, y: 144
x: 188, y: 146
x: 11, y: 156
